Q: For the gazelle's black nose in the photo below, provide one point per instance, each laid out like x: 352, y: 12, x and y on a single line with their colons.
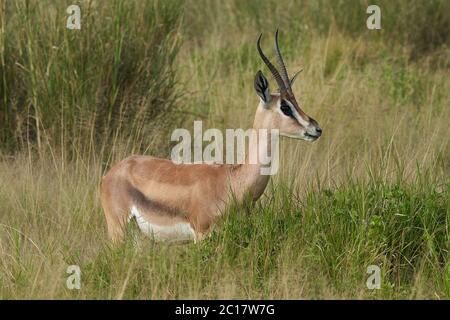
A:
x: 315, y: 126
x: 319, y: 131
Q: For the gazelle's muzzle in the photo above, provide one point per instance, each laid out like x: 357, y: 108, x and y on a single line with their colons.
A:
x: 314, y: 131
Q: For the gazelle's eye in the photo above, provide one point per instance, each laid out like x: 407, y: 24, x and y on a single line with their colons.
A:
x: 286, y: 109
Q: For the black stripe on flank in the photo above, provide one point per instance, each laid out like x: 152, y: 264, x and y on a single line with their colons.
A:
x: 141, y: 201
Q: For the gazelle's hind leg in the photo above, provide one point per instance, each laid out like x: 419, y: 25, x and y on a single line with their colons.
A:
x: 116, y: 229
x: 116, y: 213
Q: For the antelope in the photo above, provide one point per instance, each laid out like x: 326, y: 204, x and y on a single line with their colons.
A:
x: 181, y: 202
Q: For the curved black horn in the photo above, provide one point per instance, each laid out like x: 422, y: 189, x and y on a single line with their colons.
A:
x: 275, y: 73
x: 294, y: 77
x: 284, y: 73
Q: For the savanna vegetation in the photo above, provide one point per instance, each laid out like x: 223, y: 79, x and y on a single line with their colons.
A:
x: 373, y: 190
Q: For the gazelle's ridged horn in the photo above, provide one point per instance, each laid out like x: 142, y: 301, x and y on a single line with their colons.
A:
x: 283, y: 70
x: 294, y: 77
x: 273, y: 70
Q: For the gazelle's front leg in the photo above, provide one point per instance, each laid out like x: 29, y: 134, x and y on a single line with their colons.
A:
x: 202, y: 226
x: 200, y: 236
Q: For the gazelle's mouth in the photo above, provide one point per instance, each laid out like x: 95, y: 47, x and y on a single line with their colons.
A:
x: 311, y: 136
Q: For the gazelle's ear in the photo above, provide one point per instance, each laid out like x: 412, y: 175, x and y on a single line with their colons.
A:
x: 262, y: 87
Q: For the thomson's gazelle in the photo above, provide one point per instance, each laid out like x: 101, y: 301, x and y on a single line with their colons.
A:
x: 182, y: 201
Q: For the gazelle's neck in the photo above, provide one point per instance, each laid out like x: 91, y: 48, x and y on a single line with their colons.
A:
x: 261, y: 162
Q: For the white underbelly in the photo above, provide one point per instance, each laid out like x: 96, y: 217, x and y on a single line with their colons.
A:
x: 181, y: 231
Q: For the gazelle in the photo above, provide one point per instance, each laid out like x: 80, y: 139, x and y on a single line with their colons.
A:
x: 181, y: 202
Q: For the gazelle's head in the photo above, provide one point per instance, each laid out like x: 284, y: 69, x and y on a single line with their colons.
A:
x: 281, y: 110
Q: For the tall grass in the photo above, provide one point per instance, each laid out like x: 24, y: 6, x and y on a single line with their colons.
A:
x: 373, y: 190
x: 80, y: 88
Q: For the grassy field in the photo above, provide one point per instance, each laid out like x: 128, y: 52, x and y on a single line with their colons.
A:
x: 373, y: 190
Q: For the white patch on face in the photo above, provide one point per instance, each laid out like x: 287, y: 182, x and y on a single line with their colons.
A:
x: 297, y: 116
x: 176, y: 232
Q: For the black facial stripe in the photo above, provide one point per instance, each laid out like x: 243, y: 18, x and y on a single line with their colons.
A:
x: 286, y: 109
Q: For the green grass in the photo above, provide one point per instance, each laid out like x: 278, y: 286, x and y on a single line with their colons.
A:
x: 373, y: 190
x: 72, y: 89
x: 318, y: 245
